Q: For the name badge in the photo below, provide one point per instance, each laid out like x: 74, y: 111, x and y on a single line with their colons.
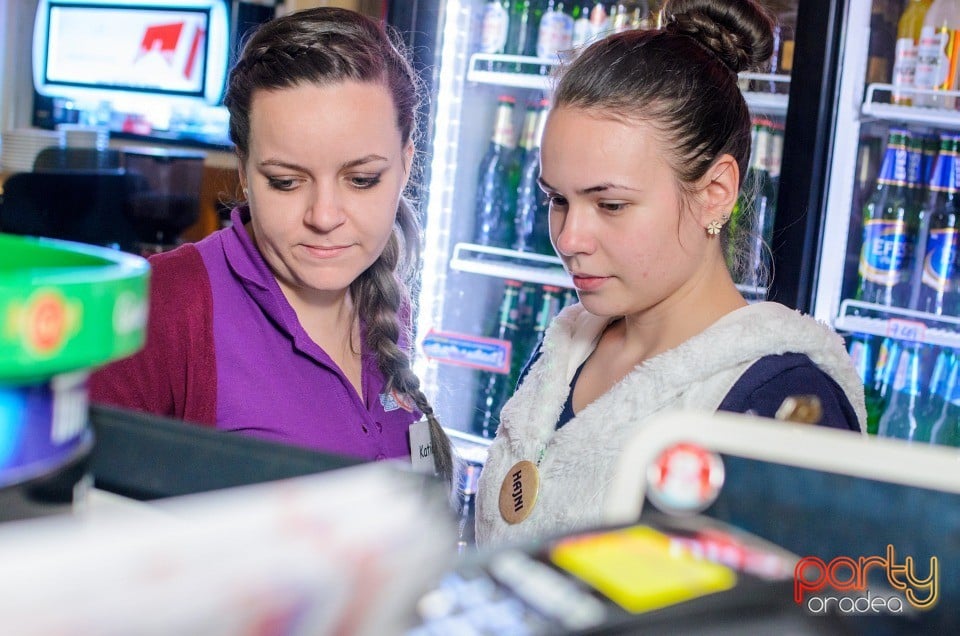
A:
x: 421, y: 449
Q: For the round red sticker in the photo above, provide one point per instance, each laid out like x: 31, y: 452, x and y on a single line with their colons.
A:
x: 46, y: 323
x: 685, y: 479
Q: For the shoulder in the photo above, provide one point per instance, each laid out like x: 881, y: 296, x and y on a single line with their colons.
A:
x: 771, y: 379
x: 178, y: 280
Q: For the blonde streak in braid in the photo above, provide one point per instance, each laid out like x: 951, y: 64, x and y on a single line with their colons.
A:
x: 378, y: 299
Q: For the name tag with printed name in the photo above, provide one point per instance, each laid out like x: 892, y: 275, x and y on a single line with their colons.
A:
x: 421, y: 449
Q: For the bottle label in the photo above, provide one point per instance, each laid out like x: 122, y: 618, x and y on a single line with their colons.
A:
x: 528, y: 139
x: 904, y: 68
x: 504, y: 133
x: 494, y: 28
x: 937, y: 53
x: 886, y: 249
x: 894, y: 169
x: 939, y: 265
x: 555, y: 34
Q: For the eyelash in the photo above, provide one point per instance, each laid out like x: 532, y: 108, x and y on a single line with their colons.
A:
x: 286, y: 185
x: 365, y: 183
x: 556, y: 201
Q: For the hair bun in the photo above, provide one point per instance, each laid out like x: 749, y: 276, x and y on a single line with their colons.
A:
x: 738, y: 32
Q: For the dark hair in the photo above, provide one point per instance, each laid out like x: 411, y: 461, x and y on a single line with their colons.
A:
x: 326, y: 46
x: 681, y: 78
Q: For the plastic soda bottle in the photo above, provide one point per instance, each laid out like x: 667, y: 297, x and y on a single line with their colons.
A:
x: 905, y: 54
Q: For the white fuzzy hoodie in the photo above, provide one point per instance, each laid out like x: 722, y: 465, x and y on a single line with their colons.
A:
x: 578, y: 458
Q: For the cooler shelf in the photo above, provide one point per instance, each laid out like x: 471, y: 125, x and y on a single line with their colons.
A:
x: 903, y: 324
x: 874, y: 108
x: 526, y: 267
x: 537, y: 73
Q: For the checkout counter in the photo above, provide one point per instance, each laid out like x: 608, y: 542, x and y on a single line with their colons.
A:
x: 128, y: 523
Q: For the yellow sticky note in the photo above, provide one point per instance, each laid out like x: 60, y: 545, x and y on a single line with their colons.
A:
x: 639, y: 569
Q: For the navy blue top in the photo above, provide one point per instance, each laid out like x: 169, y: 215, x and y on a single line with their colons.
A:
x: 762, y: 389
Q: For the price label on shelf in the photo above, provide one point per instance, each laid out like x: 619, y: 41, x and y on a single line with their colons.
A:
x: 906, y: 329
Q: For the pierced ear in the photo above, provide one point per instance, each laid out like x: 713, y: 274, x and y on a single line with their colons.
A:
x: 720, y: 187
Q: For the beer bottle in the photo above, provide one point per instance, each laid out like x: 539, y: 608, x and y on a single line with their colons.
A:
x: 900, y: 419
x: 529, y: 303
x: 518, y: 37
x: 495, y: 387
x: 935, y: 269
x: 531, y: 206
x: 916, y: 184
x: 862, y: 351
x: 551, y: 302
x: 905, y: 51
x: 945, y: 428
x: 937, y: 388
x: 496, y: 184
x: 883, y: 374
x: 889, y: 227
x: 931, y: 147
x: 752, y: 220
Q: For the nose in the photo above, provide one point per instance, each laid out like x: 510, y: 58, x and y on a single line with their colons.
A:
x: 571, y: 232
x: 324, y: 208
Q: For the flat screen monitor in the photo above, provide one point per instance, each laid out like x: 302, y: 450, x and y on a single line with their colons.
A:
x: 96, y: 49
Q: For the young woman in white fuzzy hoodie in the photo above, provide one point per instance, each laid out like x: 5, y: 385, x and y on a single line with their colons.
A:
x: 642, y: 172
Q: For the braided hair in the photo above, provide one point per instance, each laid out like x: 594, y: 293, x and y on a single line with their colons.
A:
x: 680, y: 78
x: 325, y: 46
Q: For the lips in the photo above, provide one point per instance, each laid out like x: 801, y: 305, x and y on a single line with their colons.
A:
x: 585, y: 282
x: 325, y: 251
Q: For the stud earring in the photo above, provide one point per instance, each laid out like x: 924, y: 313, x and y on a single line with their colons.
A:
x: 713, y: 227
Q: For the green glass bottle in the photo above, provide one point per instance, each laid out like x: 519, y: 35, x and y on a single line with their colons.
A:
x: 530, y: 220
x: 945, y: 427
x: 900, y: 418
x: 862, y: 350
x: 890, y: 223
x: 495, y: 388
x: 496, y: 181
x: 935, y: 275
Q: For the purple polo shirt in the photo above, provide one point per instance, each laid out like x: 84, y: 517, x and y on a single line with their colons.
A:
x: 273, y: 381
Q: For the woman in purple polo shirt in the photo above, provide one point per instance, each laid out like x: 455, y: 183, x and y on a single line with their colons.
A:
x: 293, y: 324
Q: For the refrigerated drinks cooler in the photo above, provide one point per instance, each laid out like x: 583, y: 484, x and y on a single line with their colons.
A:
x: 876, y: 271
x: 482, y: 294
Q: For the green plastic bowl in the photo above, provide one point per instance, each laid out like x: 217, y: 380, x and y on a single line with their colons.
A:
x: 67, y: 306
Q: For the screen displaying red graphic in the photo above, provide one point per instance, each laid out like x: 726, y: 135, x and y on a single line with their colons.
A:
x: 140, y: 48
